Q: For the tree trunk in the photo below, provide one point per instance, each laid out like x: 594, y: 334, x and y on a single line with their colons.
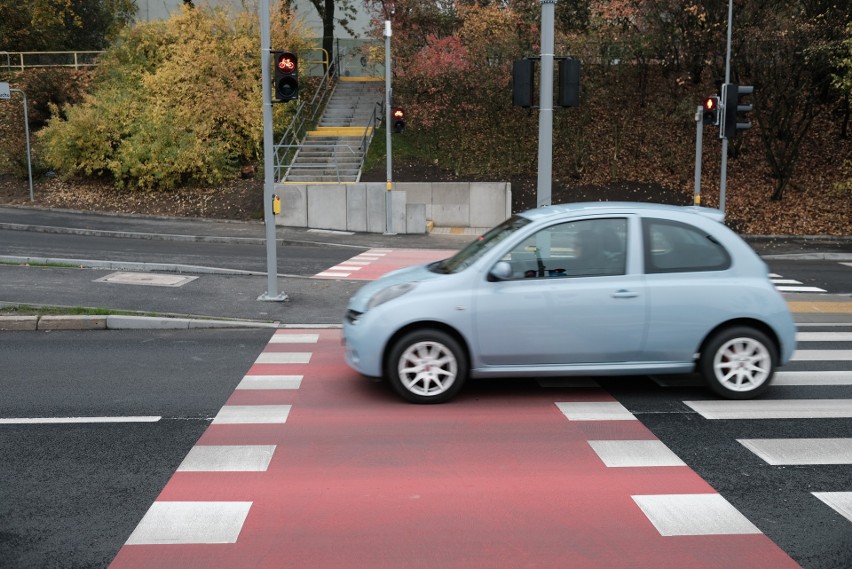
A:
x: 328, y: 30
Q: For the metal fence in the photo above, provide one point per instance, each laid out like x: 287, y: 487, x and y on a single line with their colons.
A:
x: 21, y: 60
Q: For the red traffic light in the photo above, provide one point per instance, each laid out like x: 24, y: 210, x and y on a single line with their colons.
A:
x: 286, y: 76
x: 286, y: 63
x: 398, y: 115
x: 711, y: 110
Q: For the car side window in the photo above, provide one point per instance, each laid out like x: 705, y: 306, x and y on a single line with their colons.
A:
x: 674, y: 247
x: 590, y: 247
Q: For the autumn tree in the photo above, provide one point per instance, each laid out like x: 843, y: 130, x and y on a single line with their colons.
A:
x: 331, y: 13
x: 175, y: 102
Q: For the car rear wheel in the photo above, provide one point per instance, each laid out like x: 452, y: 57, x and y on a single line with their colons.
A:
x: 738, y: 363
x: 427, y: 366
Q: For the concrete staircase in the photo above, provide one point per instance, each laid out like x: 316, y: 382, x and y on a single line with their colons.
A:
x: 334, y: 152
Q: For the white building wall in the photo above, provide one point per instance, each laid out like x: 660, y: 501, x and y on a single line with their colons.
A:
x: 150, y: 10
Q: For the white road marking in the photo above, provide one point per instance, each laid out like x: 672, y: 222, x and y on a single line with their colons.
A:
x: 190, y: 522
x: 824, y: 337
x: 233, y: 458
x: 773, y: 409
x: 283, y: 337
x: 636, y: 453
x: 271, y: 382
x: 284, y: 358
x: 694, y: 514
x: 595, y: 411
x: 75, y: 420
x: 252, y: 414
x: 801, y: 451
x: 840, y: 502
x: 813, y: 378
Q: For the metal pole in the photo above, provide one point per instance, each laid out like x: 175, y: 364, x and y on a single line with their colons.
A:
x: 27, y: 133
x: 545, y: 110
x: 699, y: 149
x: 723, y: 181
x: 388, y: 195
x: 268, y: 168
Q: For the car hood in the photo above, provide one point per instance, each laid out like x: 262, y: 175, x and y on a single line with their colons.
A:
x: 417, y: 273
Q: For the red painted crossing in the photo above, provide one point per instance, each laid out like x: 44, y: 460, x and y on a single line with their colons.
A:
x: 374, y: 263
x: 361, y: 480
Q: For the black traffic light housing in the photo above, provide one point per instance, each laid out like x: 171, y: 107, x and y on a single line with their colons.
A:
x: 729, y: 121
x: 569, y: 83
x: 523, y: 82
x: 711, y: 110
x: 286, y: 76
x: 398, y: 116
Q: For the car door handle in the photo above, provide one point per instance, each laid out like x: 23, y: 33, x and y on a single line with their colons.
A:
x: 625, y: 294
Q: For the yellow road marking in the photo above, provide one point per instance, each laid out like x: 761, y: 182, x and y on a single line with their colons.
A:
x: 820, y: 307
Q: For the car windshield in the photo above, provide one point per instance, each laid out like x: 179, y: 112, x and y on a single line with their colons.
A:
x: 475, y: 249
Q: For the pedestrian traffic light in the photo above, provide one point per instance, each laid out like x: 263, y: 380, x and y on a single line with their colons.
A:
x: 569, y: 83
x: 522, y: 82
x: 286, y: 76
x: 711, y: 110
x: 731, y: 108
x: 398, y: 119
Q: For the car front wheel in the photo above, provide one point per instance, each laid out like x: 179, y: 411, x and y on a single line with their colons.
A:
x: 738, y: 363
x: 427, y: 366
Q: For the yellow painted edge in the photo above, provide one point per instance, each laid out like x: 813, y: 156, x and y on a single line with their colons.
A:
x: 430, y: 225
x: 314, y: 183
x: 340, y: 131
x: 360, y: 79
x: 799, y: 306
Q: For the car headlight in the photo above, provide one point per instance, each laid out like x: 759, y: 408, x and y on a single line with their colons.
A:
x: 389, y: 293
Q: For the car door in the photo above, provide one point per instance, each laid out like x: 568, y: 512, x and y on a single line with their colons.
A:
x: 576, y: 296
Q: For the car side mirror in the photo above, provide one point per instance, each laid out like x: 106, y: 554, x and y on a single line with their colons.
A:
x: 501, y: 271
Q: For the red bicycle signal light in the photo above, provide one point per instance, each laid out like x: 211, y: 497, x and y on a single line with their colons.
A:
x: 286, y: 76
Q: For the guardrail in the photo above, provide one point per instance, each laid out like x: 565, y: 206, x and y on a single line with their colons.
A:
x: 21, y: 60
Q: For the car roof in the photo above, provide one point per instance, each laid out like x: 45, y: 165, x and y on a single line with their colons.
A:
x: 620, y: 207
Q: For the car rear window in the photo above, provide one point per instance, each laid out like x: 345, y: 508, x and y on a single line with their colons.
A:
x: 674, y: 247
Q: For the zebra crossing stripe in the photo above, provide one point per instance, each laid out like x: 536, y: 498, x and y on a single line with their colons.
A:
x: 779, y: 452
x: 840, y: 502
x: 190, y: 522
x: 813, y: 378
x: 824, y: 337
x: 822, y: 355
x: 773, y: 409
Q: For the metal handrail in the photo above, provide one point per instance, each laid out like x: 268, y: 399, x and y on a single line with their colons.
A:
x: 22, y: 65
x: 369, y: 131
x: 287, y: 149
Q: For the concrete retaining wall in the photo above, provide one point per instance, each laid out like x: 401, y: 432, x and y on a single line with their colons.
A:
x: 363, y: 207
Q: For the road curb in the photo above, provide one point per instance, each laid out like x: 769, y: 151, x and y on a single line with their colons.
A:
x: 118, y: 322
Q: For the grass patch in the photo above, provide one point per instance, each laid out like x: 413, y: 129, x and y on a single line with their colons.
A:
x: 30, y: 310
x: 31, y: 264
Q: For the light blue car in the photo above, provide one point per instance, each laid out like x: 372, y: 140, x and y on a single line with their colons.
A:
x: 586, y: 289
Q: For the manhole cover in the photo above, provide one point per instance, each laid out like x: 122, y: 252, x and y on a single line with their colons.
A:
x: 147, y: 279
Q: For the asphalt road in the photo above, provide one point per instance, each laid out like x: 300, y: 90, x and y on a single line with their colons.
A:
x: 70, y: 494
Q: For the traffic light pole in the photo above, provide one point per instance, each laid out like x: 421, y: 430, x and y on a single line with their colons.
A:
x: 723, y: 181
x: 545, y: 110
x: 699, y: 148
x: 388, y: 195
x: 271, y: 293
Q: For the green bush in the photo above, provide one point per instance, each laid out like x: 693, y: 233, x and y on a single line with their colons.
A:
x: 175, y: 102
